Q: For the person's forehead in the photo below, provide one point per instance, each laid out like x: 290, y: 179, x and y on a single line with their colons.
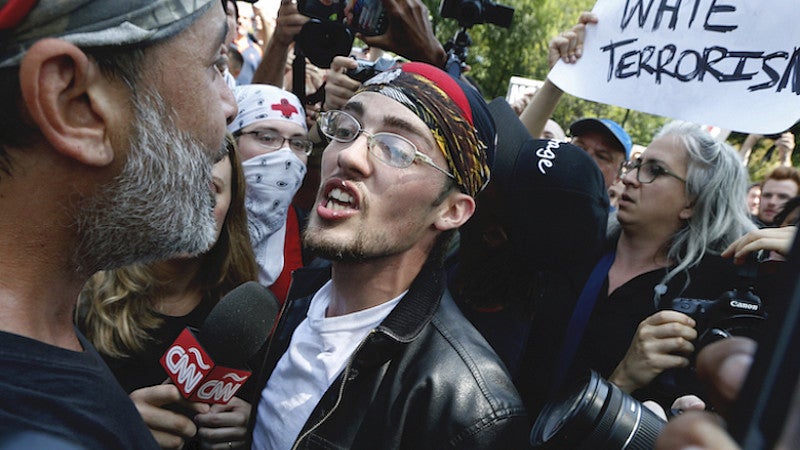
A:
x: 779, y: 186
x: 599, y: 141
x: 202, y: 38
x: 285, y: 127
x: 666, y: 149
x: 377, y: 110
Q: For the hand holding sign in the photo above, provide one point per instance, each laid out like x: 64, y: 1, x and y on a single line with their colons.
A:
x: 568, y: 46
x: 707, y: 61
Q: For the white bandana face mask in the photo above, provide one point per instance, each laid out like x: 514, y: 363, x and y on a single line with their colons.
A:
x: 272, y: 180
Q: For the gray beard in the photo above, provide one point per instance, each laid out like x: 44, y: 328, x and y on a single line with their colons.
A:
x: 160, y: 205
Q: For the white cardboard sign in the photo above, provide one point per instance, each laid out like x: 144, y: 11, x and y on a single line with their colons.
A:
x: 730, y: 63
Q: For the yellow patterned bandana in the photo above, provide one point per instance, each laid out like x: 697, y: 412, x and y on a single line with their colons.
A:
x: 437, y: 99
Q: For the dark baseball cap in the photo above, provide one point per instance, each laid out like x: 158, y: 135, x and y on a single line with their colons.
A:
x: 554, y: 200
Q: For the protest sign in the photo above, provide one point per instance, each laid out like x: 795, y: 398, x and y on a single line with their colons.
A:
x: 734, y: 64
x: 519, y: 87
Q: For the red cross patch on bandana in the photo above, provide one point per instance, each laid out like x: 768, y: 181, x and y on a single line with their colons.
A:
x: 286, y: 108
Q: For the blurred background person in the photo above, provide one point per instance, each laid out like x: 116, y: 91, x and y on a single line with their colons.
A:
x: 235, y: 62
x: 614, y: 194
x: 552, y: 130
x: 133, y: 314
x: 754, y: 198
x: 288, y: 24
x: 781, y: 184
x: 605, y: 141
x: 246, y: 42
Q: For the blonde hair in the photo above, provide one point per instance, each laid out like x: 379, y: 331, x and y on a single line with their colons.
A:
x: 115, y: 307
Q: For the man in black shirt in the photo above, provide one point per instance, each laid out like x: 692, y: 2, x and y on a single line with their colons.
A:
x: 105, y: 160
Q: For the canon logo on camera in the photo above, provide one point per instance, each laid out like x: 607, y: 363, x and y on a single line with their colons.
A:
x: 742, y: 305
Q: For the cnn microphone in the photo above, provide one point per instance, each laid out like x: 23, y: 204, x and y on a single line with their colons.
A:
x: 210, y: 367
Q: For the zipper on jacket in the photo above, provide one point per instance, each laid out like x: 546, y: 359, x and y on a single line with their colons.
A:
x: 345, y: 375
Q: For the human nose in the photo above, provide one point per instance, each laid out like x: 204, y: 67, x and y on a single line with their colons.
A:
x: 629, y: 177
x: 229, y: 107
x: 354, y: 158
x: 282, y: 144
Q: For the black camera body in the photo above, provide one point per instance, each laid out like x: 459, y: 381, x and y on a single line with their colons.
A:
x: 322, y: 40
x: 367, y: 69
x: 734, y: 313
x: 471, y: 12
x: 737, y: 312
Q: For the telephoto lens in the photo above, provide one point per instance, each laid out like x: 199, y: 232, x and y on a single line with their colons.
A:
x: 595, y: 414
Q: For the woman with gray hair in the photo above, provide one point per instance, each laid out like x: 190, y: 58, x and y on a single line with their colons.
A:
x: 683, y: 203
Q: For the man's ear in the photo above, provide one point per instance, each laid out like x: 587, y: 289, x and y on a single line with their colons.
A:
x: 456, y: 209
x: 69, y: 100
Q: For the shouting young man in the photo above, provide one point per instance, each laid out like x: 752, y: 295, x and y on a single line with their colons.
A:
x: 379, y: 356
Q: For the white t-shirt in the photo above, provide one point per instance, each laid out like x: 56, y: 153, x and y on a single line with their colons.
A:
x: 320, y: 348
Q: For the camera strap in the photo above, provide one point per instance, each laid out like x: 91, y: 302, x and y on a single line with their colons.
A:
x: 580, y: 317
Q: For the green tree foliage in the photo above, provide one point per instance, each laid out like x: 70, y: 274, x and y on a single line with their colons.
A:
x: 497, y: 53
x: 640, y: 126
x: 760, y: 163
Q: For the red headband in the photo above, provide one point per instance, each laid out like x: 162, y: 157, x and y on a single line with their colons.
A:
x: 13, y: 12
x: 444, y: 82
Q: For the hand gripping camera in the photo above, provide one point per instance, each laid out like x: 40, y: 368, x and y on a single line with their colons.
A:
x: 737, y: 312
x: 734, y: 313
x: 367, y: 69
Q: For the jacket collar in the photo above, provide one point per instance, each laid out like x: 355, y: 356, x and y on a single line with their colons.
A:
x: 409, y: 317
x: 417, y: 307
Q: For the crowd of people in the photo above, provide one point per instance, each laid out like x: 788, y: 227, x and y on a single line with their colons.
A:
x: 446, y: 266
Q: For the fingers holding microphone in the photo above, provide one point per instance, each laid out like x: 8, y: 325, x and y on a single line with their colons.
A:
x: 224, y: 426
x: 170, y: 429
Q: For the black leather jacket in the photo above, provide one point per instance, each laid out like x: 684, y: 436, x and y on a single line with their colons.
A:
x: 424, y: 378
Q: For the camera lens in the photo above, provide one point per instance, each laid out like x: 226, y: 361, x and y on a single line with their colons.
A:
x: 596, y: 415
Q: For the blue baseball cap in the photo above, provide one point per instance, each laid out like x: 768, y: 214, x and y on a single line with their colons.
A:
x: 604, y: 126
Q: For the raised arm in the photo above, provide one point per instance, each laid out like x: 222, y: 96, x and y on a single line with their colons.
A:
x: 410, y: 33
x: 273, y: 64
x: 567, y: 46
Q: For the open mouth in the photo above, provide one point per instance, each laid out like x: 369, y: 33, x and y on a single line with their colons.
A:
x: 339, y: 200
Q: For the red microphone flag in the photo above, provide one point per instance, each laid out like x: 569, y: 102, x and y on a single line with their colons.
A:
x: 193, y: 370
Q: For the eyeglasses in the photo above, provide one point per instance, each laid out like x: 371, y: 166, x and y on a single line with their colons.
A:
x: 392, y: 149
x: 272, y: 140
x: 646, y: 171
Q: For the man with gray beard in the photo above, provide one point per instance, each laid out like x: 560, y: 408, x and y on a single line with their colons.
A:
x: 105, y: 160
x: 171, y: 212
